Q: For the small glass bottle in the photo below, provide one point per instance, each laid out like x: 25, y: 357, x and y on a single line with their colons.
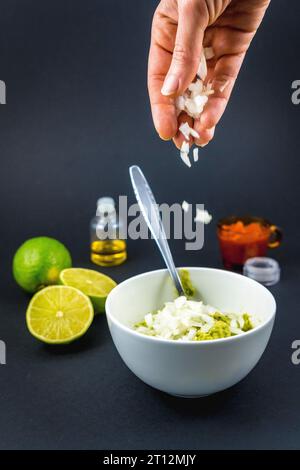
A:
x: 107, y: 247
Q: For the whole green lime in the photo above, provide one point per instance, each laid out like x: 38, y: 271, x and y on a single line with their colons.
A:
x: 38, y: 262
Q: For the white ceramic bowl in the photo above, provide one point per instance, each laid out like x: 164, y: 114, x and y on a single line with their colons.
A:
x: 189, y: 369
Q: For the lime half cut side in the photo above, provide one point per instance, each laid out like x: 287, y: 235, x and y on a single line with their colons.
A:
x: 92, y: 283
x: 59, y: 314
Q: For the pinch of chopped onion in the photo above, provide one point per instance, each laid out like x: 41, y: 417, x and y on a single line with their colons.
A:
x: 191, y: 107
x: 200, y: 101
x: 196, y: 88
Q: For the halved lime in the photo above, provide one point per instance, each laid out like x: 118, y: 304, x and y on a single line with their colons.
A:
x: 59, y: 314
x: 92, y: 283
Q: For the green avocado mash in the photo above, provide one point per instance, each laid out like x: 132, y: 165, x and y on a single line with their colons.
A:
x: 187, y: 285
x: 221, y: 328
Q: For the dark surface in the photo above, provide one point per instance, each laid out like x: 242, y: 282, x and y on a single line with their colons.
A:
x: 77, y: 116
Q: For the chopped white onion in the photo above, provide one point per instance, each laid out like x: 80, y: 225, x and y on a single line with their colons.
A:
x: 196, y: 154
x: 202, y: 216
x: 196, y: 88
x: 184, y: 153
x: 193, y: 102
x: 200, y: 102
x: 185, y: 206
x: 185, y: 159
x: 186, y: 130
x: 182, y: 319
x: 194, y: 133
x: 185, y: 147
x: 149, y: 319
x: 180, y: 103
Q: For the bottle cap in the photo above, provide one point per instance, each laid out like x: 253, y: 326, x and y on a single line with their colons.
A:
x: 262, y: 269
x: 105, y: 204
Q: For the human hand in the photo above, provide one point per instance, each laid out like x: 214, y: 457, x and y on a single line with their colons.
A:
x: 179, y: 29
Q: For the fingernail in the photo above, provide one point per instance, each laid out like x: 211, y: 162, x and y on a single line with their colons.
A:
x: 163, y: 138
x: 203, y: 145
x: 170, y: 85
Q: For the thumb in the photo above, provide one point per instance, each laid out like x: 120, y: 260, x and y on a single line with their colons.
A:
x: 192, y: 21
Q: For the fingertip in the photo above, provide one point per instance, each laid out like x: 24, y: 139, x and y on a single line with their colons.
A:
x: 206, y: 135
x: 170, y: 85
x: 177, y: 142
x: 208, y: 120
x: 165, y: 122
x: 166, y: 130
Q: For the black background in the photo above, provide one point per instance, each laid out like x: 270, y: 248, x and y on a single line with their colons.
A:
x: 77, y: 115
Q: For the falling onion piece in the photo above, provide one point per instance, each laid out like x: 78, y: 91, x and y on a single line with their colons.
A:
x: 195, y: 154
x: 202, y: 216
x: 185, y: 158
x: 185, y: 147
x: 184, y: 153
x: 185, y: 206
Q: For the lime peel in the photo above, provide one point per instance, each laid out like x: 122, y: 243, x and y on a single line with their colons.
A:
x: 92, y: 283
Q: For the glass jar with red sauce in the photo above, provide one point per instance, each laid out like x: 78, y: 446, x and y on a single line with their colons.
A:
x: 245, y: 237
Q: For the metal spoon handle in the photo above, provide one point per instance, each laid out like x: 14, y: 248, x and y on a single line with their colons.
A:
x: 151, y: 215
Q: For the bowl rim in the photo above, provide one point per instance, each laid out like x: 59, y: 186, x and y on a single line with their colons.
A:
x: 135, y: 333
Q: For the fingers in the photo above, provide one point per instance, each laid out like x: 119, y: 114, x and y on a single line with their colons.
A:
x: 223, y: 79
x: 162, y: 107
x: 192, y: 21
x: 206, y: 135
x: 173, y: 61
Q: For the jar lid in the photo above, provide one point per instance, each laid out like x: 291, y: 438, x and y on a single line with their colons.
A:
x: 262, y: 269
x: 105, y: 204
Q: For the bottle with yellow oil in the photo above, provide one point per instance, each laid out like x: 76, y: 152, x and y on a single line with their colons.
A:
x: 107, y: 247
